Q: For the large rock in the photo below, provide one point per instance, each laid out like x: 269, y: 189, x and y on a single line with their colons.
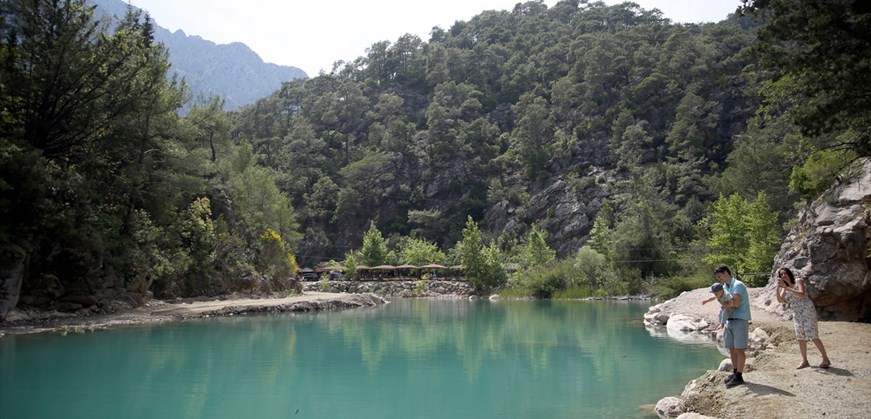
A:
x: 686, y: 324
x: 655, y: 316
x: 669, y: 407
x: 829, y: 248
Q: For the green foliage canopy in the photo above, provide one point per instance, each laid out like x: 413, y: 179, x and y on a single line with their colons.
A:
x: 102, y: 182
x: 419, y: 252
x: 744, y: 234
x: 482, y: 263
x: 374, y: 251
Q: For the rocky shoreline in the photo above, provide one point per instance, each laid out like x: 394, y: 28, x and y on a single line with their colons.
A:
x: 157, y: 311
x: 774, y: 387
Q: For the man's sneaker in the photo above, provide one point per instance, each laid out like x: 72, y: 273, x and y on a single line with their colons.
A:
x: 729, y: 378
x: 737, y: 381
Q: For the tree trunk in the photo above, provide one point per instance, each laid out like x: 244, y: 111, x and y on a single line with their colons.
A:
x: 13, y: 265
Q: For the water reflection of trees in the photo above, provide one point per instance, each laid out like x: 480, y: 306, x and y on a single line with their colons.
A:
x: 514, y: 347
x: 534, y: 331
x: 571, y: 335
x: 203, y: 359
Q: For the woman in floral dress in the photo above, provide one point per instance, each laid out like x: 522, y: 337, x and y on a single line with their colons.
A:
x: 804, y: 314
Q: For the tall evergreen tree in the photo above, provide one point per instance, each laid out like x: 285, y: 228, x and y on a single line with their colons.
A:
x: 374, y: 251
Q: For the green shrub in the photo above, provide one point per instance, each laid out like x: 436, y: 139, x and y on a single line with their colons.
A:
x: 420, y: 287
x: 818, y: 172
x: 592, y: 271
x: 544, y: 281
x: 601, y: 293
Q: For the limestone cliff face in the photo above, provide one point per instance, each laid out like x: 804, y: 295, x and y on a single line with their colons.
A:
x: 557, y: 208
x: 829, y: 248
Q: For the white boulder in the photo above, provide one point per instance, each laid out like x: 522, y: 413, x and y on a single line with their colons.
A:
x: 669, y: 407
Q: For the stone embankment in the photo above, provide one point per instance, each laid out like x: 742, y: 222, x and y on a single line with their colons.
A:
x: 389, y: 288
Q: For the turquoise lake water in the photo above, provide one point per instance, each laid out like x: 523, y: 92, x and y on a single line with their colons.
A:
x: 407, y: 359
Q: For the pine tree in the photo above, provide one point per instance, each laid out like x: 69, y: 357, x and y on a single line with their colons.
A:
x: 374, y: 250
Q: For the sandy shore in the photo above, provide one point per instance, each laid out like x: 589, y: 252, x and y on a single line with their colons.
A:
x: 775, y: 389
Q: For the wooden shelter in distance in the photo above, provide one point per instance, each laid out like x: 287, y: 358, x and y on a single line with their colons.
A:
x: 432, y: 268
x: 405, y: 271
x: 384, y: 271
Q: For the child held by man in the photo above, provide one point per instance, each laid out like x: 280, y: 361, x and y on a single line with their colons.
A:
x: 723, y: 297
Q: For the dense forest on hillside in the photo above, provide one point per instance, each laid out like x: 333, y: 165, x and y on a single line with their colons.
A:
x: 585, y: 101
x: 598, y: 148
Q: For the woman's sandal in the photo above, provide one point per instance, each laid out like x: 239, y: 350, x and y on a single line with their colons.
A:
x: 804, y: 365
x: 825, y: 364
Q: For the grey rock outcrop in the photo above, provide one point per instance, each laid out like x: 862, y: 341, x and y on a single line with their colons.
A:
x: 232, y: 71
x: 829, y: 249
x: 558, y: 208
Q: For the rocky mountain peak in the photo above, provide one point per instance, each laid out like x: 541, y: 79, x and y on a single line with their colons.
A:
x: 232, y: 71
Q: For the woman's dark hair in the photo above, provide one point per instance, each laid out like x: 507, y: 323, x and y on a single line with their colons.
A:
x: 788, y: 273
x: 723, y: 268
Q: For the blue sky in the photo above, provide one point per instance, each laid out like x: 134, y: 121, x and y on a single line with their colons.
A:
x: 311, y: 35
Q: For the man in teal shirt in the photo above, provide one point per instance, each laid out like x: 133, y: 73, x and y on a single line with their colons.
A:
x: 735, y: 335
